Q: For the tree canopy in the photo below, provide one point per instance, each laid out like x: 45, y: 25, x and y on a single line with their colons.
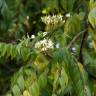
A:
x: 47, y: 48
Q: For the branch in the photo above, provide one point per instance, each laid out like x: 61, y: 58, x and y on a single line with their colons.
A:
x: 81, y: 46
x: 75, y: 38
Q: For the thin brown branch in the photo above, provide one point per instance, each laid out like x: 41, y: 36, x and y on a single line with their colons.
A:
x: 75, y: 38
x: 81, y: 46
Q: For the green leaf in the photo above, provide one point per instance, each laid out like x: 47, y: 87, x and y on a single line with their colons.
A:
x: 64, y: 4
x: 56, y: 79
x: 3, y: 49
x: 67, y: 5
x: 4, y: 10
x: 34, y: 89
x: 92, y: 17
x: 54, y: 95
x: 70, y: 4
x: 9, y: 95
x: 16, y: 90
x: 18, y: 48
x: 8, y: 51
x: 1, y: 3
x: 72, y: 27
x: 90, y: 63
x: 42, y: 80
x: 77, y: 78
x: 53, y: 5
x: 92, y: 4
x: 85, y: 80
x: 63, y: 79
x: 20, y: 82
x: 13, y: 51
x: 25, y: 53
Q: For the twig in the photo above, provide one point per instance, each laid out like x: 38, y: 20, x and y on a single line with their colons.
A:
x: 75, y: 38
x: 81, y: 47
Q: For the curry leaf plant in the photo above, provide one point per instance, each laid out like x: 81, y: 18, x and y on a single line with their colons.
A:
x: 47, y: 48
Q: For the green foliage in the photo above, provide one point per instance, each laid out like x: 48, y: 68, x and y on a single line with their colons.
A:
x: 92, y: 17
x: 47, y: 47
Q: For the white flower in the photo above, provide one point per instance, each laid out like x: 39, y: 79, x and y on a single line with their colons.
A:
x: 32, y: 36
x: 45, y: 33
x: 44, y: 45
x: 57, y: 45
x: 27, y: 17
x: 68, y: 15
x: 60, y: 17
x: 73, y: 49
x: 55, y: 19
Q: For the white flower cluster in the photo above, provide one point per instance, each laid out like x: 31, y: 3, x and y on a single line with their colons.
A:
x: 68, y: 15
x: 44, y: 45
x: 55, y: 19
x: 45, y: 33
x: 32, y: 36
